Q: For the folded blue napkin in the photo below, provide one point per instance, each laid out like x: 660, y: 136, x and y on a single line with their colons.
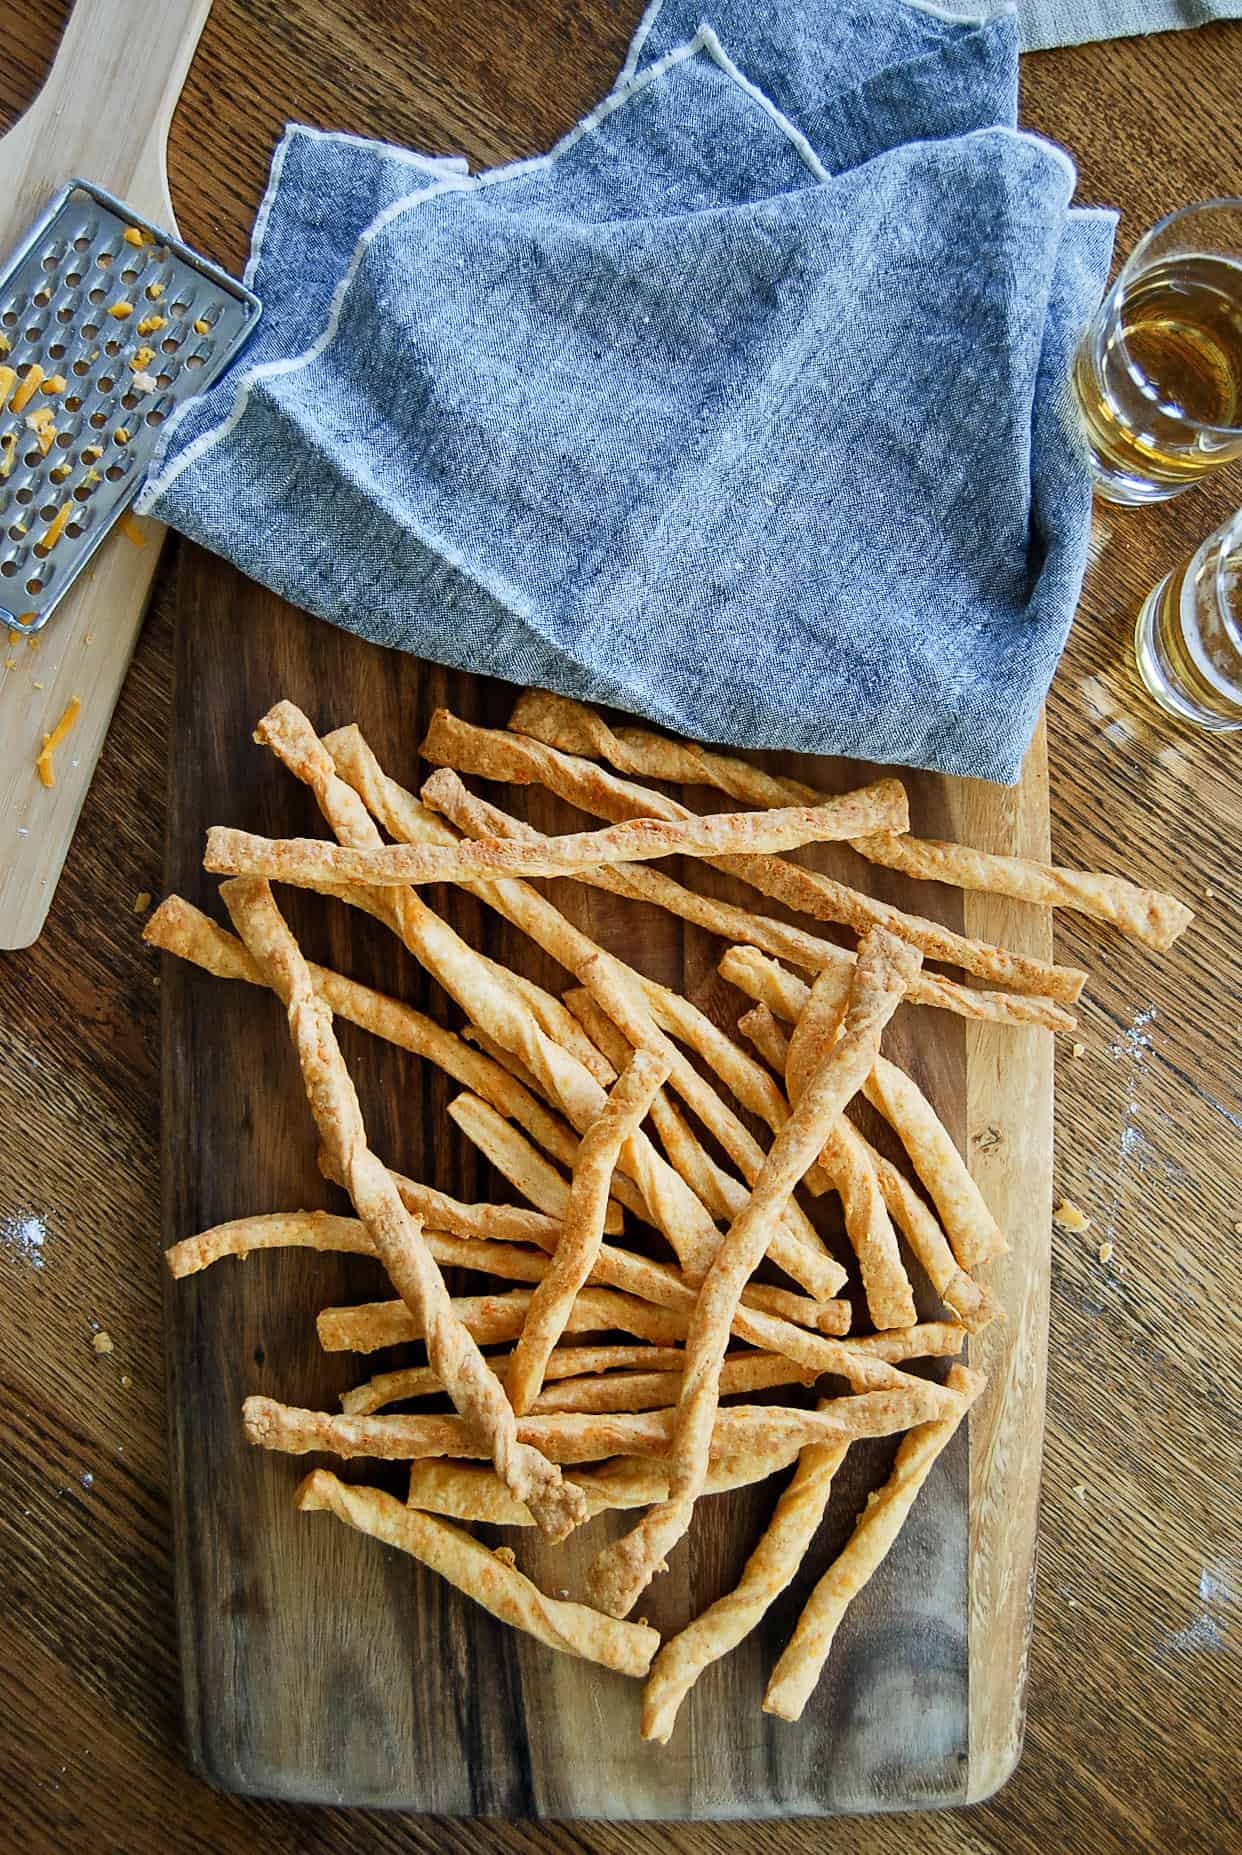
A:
x: 745, y: 409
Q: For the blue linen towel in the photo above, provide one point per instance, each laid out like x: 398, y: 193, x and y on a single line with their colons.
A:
x: 745, y: 409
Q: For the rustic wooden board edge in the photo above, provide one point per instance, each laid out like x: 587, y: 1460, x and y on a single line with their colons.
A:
x: 1006, y: 1427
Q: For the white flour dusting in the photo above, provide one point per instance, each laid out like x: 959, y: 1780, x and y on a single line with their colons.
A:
x: 22, y: 1237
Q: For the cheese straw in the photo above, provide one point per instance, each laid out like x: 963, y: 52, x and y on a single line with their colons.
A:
x: 487, y: 1577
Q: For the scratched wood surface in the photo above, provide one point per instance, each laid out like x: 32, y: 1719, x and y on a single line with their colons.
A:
x: 1135, y: 1653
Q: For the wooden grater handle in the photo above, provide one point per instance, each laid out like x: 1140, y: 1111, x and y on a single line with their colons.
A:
x: 105, y: 109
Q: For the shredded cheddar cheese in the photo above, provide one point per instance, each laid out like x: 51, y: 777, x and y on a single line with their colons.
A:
x: 134, y: 235
x: 202, y: 326
x: 140, y: 358
x: 150, y: 324
x: 25, y: 392
x: 120, y: 309
x: 155, y: 291
x: 8, y: 445
x: 8, y: 380
x: 91, y: 453
x: 44, y: 765
x: 121, y: 435
x: 5, y: 344
x: 92, y: 476
x: 55, y: 383
x: 42, y: 422
x: 59, y: 473
x: 56, y: 527
x: 130, y: 529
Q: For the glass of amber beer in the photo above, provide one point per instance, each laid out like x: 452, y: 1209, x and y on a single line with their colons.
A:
x: 1159, y: 372
x: 1188, y: 639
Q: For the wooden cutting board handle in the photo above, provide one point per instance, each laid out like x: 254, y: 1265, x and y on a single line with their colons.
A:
x: 104, y: 113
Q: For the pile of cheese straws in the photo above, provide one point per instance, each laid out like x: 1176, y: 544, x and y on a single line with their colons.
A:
x: 587, y: 1080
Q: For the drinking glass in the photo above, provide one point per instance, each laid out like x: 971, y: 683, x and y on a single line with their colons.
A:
x: 1159, y: 372
x: 1188, y: 638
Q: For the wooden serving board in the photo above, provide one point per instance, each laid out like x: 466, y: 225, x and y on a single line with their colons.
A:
x: 319, y: 1665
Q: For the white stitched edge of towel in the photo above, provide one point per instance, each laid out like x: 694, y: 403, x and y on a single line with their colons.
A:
x: 642, y: 32
x: 704, y: 41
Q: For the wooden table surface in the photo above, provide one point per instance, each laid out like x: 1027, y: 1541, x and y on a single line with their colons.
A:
x: 1132, y: 1723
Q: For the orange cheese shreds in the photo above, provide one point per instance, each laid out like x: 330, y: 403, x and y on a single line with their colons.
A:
x: 134, y: 235
x: 140, y: 358
x: 150, y: 324
x: 91, y: 453
x: 8, y: 445
x: 55, y: 383
x: 5, y: 343
x: 30, y: 381
x: 44, y: 766
x: 59, y: 473
x: 155, y: 291
x: 56, y: 527
x: 121, y: 435
x: 92, y: 476
x: 202, y: 326
x: 8, y: 380
x: 42, y: 422
x: 130, y: 529
x: 120, y: 309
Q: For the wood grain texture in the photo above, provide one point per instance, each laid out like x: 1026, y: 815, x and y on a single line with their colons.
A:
x: 104, y: 113
x: 1135, y: 1657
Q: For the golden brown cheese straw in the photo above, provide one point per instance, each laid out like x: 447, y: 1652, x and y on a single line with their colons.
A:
x: 582, y: 1227
x: 492, y: 1318
x: 566, y: 1362
x: 485, y: 994
x: 567, y: 730
x: 796, y: 1673
x: 644, y: 1012
x: 652, y: 1391
x: 639, y: 882
x: 973, y: 1305
x: 178, y: 927
x: 467, y: 1491
x: 767, y: 1036
x: 878, y: 984
x: 1144, y: 914
x: 890, y: 1298
x: 782, y: 1547
x: 573, y: 1436
x: 598, y: 1379
x: 307, y: 860
x: 522, y: 1164
x: 971, y: 1228
x: 482, y: 1575
x: 397, y: 1236
x: 320, y: 1230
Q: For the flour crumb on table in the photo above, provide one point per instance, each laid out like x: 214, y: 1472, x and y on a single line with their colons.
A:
x: 1068, y: 1216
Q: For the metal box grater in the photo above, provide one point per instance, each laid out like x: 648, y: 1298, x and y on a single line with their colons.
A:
x: 124, y: 325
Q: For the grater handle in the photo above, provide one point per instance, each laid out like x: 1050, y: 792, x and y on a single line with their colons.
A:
x: 105, y: 109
